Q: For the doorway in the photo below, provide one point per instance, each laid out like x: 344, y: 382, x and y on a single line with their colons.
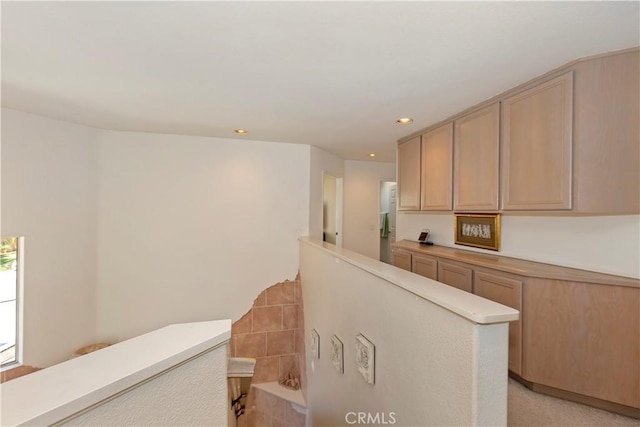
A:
x: 387, y: 219
x: 332, y: 209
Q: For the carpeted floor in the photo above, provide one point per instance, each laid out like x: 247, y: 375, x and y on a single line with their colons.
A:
x: 527, y: 409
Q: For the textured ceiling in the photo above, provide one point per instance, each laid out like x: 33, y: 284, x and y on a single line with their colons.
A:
x: 331, y: 74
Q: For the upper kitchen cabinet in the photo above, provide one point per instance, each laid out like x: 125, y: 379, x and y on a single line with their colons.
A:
x: 606, y: 171
x: 565, y: 142
x: 437, y: 162
x: 476, y: 160
x: 409, y: 175
x: 537, y: 147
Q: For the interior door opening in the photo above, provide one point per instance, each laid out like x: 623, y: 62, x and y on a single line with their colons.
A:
x: 387, y: 219
x: 332, y: 209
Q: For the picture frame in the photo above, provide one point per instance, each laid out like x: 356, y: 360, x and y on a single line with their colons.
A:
x: 477, y: 230
x: 337, y: 354
x: 315, y: 343
x: 365, y: 358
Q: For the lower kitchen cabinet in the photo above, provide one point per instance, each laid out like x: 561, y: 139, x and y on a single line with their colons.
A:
x: 578, y: 336
x: 455, y: 275
x: 506, y: 292
x: 583, y: 338
x: 425, y: 266
x: 402, y: 259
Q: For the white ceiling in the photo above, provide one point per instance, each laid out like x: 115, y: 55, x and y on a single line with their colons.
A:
x: 332, y: 74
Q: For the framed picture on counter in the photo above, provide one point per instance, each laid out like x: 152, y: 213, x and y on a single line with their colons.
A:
x: 478, y: 230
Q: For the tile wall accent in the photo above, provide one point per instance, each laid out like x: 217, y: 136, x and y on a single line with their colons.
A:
x: 272, y: 332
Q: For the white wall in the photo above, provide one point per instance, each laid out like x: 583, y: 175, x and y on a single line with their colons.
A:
x: 607, y: 244
x: 194, y: 228
x: 127, y: 232
x: 362, y: 204
x: 321, y: 161
x: 49, y: 196
x: 432, y: 367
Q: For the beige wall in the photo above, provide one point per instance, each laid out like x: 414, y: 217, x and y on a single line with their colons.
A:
x: 432, y: 367
x: 49, y: 196
x: 362, y: 204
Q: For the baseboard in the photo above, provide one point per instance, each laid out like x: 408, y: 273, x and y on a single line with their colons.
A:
x: 617, y: 408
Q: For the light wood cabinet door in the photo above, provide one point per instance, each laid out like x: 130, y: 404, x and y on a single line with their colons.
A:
x: 583, y: 338
x: 437, y: 165
x: 507, y: 292
x: 476, y: 148
x: 402, y: 259
x: 537, y: 147
x: 409, y: 175
x: 455, y: 275
x: 425, y: 266
x: 607, y: 135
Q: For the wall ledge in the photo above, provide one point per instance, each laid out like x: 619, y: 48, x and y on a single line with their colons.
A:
x: 295, y: 397
x: 53, y: 394
x: 469, y: 306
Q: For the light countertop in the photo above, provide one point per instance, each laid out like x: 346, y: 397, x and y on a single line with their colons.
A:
x: 517, y: 266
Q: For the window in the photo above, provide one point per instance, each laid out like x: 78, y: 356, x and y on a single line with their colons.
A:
x: 9, y: 272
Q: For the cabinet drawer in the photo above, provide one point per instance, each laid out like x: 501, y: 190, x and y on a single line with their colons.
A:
x: 402, y: 259
x: 506, y: 292
x: 455, y: 275
x: 425, y: 266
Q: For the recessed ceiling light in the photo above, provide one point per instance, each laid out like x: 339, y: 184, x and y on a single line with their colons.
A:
x: 372, y: 154
x: 241, y: 131
x: 404, y: 121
